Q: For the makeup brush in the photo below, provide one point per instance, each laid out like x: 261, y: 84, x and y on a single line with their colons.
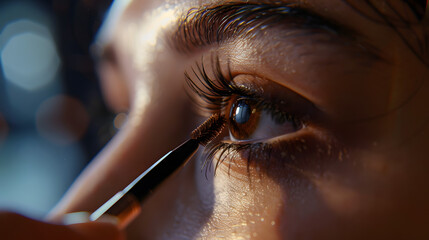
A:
x: 125, y: 205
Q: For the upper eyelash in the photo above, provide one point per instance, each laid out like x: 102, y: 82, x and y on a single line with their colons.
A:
x: 216, y: 93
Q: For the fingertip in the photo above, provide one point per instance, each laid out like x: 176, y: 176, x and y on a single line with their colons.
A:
x: 98, y: 230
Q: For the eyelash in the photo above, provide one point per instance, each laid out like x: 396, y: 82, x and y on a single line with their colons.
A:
x: 216, y: 95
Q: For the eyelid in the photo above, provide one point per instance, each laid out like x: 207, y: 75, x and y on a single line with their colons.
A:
x: 277, y: 98
x: 216, y: 88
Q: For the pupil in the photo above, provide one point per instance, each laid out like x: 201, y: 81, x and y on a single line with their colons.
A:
x: 242, y: 112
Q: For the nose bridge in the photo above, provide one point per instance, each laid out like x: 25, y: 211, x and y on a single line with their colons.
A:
x: 160, y: 117
x: 151, y: 131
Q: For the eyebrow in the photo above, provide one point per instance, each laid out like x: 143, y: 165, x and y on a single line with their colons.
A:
x: 209, y: 25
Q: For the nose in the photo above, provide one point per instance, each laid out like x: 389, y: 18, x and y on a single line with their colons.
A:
x: 163, y: 122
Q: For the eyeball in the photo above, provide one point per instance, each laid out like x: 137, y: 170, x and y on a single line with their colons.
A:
x: 243, y: 119
x: 250, y: 120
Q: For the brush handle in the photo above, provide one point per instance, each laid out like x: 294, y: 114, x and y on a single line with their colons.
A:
x: 162, y: 169
x: 125, y: 205
x: 123, y: 208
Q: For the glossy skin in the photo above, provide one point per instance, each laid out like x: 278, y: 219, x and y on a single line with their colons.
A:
x: 361, y: 172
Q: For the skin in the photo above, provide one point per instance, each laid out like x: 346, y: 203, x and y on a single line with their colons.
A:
x: 366, y: 173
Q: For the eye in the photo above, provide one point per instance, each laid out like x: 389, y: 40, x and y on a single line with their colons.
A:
x: 251, y: 120
x: 243, y: 119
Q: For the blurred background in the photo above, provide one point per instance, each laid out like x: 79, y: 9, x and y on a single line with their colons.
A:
x: 52, y: 118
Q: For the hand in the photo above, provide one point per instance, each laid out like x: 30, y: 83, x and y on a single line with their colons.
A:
x: 15, y: 226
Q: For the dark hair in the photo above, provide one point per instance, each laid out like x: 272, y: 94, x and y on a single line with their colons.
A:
x: 405, y: 17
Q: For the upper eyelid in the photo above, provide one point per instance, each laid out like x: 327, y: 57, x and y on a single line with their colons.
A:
x: 217, y: 92
x: 214, y: 90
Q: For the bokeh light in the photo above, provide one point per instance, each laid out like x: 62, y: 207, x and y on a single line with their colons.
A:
x: 38, y: 159
x: 52, y: 118
x: 29, y: 60
x: 62, y: 120
x: 120, y: 120
x: 29, y: 57
x: 34, y: 175
x: 4, y: 129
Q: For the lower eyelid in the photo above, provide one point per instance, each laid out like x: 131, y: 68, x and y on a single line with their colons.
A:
x: 300, y: 152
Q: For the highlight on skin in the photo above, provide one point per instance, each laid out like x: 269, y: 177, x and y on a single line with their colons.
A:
x: 329, y: 132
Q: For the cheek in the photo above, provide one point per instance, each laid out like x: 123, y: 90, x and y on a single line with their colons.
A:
x: 242, y: 205
x: 303, y: 185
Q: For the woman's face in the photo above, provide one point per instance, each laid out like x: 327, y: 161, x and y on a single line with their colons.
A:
x: 326, y: 103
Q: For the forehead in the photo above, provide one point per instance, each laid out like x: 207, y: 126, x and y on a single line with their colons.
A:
x: 140, y: 20
x: 128, y: 12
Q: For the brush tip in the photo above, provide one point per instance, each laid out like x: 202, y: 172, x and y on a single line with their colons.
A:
x: 210, y: 129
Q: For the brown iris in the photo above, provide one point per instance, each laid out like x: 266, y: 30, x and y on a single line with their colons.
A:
x: 243, y: 118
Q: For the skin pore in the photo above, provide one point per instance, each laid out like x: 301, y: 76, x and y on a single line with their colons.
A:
x: 357, y: 169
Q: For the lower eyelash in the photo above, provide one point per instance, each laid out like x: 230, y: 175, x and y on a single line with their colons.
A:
x: 232, y: 151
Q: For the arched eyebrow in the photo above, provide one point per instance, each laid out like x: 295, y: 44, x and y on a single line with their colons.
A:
x: 208, y: 25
